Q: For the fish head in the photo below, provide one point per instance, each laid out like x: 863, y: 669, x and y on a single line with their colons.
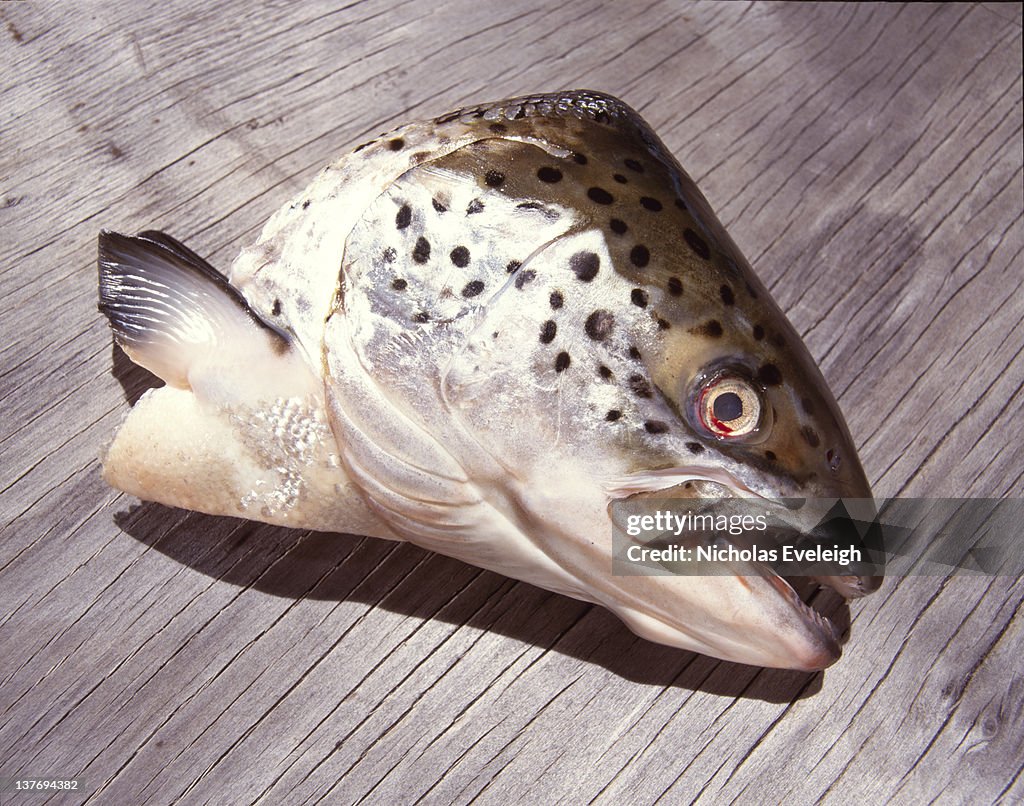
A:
x: 554, y: 306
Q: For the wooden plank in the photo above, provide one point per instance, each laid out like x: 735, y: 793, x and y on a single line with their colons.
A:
x: 867, y: 158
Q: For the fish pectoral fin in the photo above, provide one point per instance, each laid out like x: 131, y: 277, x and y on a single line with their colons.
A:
x: 171, y: 311
x: 240, y: 428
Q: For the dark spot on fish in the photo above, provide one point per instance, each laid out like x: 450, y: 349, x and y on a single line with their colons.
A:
x: 472, y: 288
x: 620, y: 179
x: 655, y: 427
x: 712, y: 329
x: 599, y: 325
x: 769, y: 375
x: 663, y: 324
x: 600, y: 195
x: 650, y: 204
x: 421, y: 252
x: 638, y: 297
x: 389, y: 255
x: 778, y: 340
x: 758, y: 333
x: 548, y: 331
x: 751, y: 291
x: 460, y: 256
x: 421, y: 317
x: 498, y: 128
x: 512, y: 266
x: 585, y: 265
x: 638, y: 383
x: 810, y: 436
x: 613, y: 415
x: 475, y: 206
x: 276, y: 310
x: 562, y: 361
x: 675, y: 286
x: 633, y: 165
x: 403, y: 217
x: 618, y: 226
x: 494, y: 179
x: 396, y: 144
x: 399, y: 284
x: 549, y: 174
x: 305, y: 204
x: 728, y: 298
x: 556, y: 300
x: 694, y: 447
x: 732, y: 269
x: 579, y: 159
x: 639, y: 255
x: 604, y: 372
x: 525, y: 277
x: 770, y: 456
x: 439, y: 206
x: 696, y: 243
x: 634, y: 353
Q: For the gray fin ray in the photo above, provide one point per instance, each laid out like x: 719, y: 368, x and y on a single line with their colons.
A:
x: 169, y: 308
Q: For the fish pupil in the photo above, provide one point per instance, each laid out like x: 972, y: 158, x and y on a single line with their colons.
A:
x: 728, y: 406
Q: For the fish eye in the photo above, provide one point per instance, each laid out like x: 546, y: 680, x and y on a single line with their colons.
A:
x: 729, y: 406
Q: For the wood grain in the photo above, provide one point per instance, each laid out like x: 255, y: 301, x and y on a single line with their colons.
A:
x: 867, y: 158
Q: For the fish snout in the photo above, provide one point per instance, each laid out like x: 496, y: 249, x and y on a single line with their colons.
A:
x: 850, y: 523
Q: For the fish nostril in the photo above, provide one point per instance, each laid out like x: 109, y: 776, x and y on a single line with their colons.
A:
x: 834, y: 460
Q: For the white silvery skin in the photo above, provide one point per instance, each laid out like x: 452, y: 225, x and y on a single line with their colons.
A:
x: 430, y: 411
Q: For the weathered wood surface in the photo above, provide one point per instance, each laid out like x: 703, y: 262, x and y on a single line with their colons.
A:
x: 867, y: 158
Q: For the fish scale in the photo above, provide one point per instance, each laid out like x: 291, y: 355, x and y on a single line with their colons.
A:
x: 476, y: 333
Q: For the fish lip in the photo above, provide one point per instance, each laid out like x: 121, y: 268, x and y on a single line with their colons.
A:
x: 652, y: 481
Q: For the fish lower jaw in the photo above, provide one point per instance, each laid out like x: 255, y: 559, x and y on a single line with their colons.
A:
x: 821, y: 626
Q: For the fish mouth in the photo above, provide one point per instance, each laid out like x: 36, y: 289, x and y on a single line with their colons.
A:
x: 779, y: 620
x: 674, y: 482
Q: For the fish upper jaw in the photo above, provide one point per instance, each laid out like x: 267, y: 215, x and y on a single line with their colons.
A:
x: 852, y: 484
